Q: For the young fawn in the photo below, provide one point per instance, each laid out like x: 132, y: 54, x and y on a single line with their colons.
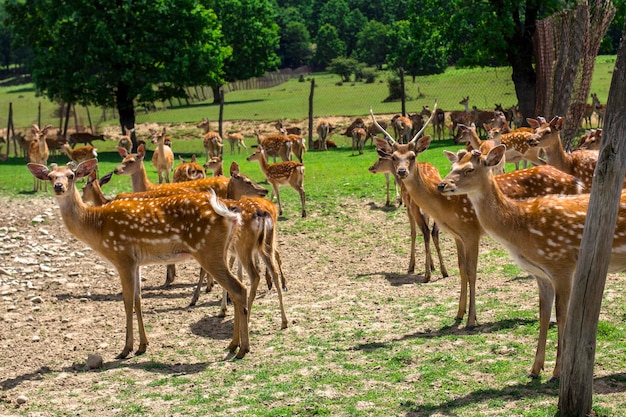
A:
x: 281, y: 173
x: 130, y: 233
x: 543, y: 235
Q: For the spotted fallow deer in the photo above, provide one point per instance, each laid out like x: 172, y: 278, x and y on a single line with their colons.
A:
x: 80, y: 154
x: 211, y: 140
x: 275, y: 145
x: 543, y: 235
x: 129, y: 233
x: 215, y: 165
x: 281, y: 173
x: 417, y: 219
x: 455, y: 214
x: 188, y: 170
x: 581, y: 163
x: 38, y: 152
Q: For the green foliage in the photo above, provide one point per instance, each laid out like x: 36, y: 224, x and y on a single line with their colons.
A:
x: 328, y: 47
x: 344, y: 67
x: 372, y: 46
x: 295, y: 45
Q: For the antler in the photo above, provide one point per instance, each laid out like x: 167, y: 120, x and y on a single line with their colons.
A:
x: 432, y: 114
x: 387, y: 135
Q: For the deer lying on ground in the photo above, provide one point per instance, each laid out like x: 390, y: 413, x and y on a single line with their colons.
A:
x: 543, y: 235
x: 84, y: 138
x: 130, y: 233
x: 163, y: 157
x: 38, y: 152
x: 417, y: 219
x: 281, y: 173
x: 188, y: 171
x: 454, y: 214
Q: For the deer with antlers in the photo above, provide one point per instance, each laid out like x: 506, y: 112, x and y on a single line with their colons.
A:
x: 130, y: 233
x: 281, y: 173
x: 454, y: 214
x: 543, y: 235
x: 417, y: 219
x: 38, y: 152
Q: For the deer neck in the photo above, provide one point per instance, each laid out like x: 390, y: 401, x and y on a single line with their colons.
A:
x: 556, y: 155
x: 78, y: 217
x: 139, y: 180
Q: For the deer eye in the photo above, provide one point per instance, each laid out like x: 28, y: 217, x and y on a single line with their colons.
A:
x: 468, y: 171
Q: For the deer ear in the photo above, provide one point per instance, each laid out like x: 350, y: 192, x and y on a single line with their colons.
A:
x: 39, y: 171
x: 452, y: 157
x: 122, y: 151
x: 85, y: 168
x: 495, y: 155
x: 533, y: 123
x: 422, y: 144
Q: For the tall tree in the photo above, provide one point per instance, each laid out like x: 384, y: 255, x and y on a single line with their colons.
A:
x: 249, y: 28
x: 372, y: 46
x: 328, y: 47
x: 116, y: 53
x: 295, y: 45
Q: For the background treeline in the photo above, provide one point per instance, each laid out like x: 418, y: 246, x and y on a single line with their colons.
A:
x: 423, y: 37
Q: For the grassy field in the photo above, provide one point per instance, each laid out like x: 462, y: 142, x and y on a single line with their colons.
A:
x: 393, y: 348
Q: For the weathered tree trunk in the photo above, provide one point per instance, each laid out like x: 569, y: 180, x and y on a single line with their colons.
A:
x: 126, y: 110
x: 216, y: 93
x: 579, y: 344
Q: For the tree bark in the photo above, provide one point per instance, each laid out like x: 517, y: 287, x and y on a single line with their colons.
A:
x: 126, y: 110
x: 579, y: 343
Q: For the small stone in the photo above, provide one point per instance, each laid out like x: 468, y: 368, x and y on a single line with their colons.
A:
x: 22, y: 399
x: 36, y: 300
x: 36, y: 338
x: 94, y: 361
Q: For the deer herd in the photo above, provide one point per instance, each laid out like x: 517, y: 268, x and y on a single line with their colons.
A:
x: 536, y: 212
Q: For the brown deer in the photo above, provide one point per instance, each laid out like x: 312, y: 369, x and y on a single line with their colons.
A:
x: 358, y: 140
x: 543, y: 235
x: 235, y: 139
x: 461, y: 117
x: 468, y: 135
x: 438, y: 122
x: 275, y: 146
x: 281, y: 173
x: 188, y: 171
x: 598, y: 108
x: 163, y: 157
x: 591, y: 140
x: 402, y: 128
x: 212, y: 141
x: 291, y: 130
x: 80, y: 154
x: 38, y: 152
x: 92, y: 190
x: 547, y: 135
x: 454, y: 214
x: 417, y: 219
x: 215, y: 165
x: 129, y: 233
x: 84, y: 138
x: 323, y: 132
x: 517, y: 147
x: 298, y: 147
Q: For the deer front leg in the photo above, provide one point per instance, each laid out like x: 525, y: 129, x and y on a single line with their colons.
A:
x: 170, y: 275
x: 127, y: 278
x: 546, y: 297
x: 460, y: 249
x: 562, y: 298
x: 275, y: 192
x: 143, y: 337
x: 435, y: 236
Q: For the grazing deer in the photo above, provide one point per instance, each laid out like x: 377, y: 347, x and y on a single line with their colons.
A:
x: 84, y: 138
x: 80, y: 154
x: 461, y: 117
x: 417, y: 219
x: 281, y: 173
x: 358, y: 140
x: 163, y: 157
x: 402, y: 128
x: 454, y: 214
x: 38, y: 152
x: 129, y: 233
x: 235, y: 140
x: 275, y: 146
x: 581, y: 163
x: 215, y: 165
x: 188, y: 171
x: 323, y: 131
x: 543, y: 235
x: 212, y: 141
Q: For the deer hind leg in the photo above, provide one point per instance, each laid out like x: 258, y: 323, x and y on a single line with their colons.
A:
x: 546, y: 297
x: 435, y: 236
x: 170, y: 275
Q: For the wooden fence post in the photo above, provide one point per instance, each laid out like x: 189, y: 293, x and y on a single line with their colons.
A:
x: 311, y: 113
